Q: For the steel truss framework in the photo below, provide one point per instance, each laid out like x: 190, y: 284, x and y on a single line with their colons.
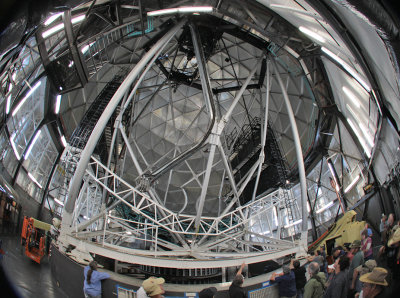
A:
x: 133, y: 218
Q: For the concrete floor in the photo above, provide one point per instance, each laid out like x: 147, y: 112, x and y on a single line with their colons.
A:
x: 29, y: 278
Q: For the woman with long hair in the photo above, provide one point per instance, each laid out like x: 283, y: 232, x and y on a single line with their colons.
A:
x: 93, y: 278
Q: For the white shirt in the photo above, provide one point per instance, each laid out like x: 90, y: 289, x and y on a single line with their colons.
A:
x: 141, y: 293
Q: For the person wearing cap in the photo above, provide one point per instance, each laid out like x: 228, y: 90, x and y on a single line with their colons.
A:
x: 235, y: 289
x: 394, y: 260
x: 358, y: 258
x: 286, y: 282
x: 361, y: 270
x: 208, y: 292
x: 151, y: 287
x: 315, y: 286
x: 338, y: 281
x: 373, y: 283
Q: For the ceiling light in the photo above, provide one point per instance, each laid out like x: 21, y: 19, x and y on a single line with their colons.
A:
x: 362, y: 142
x: 52, y: 30
x: 58, y: 103
x: 355, y: 180
x: 351, y: 96
x: 190, y: 9
x: 312, y: 34
x: 52, y: 18
x: 34, y: 180
x: 59, y: 202
x: 25, y: 98
x: 59, y: 27
x: 275, y: 216
x: 14, y: 148
x: 348, y: 68
x: 330, y: 204
x: 78, y: 19
x: 64, y: 141
x: 293, y: 223
x: 31, y: 145
x: 8, y: 104
x: 368, y: 137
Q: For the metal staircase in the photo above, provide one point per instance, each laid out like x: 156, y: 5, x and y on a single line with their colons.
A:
x: 81, y: 134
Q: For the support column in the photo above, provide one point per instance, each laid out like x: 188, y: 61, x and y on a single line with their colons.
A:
x: 299, y: 154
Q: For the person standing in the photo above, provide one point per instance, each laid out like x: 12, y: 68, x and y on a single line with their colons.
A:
x: 366, y: 247
x: 315, y: 287
x: 338, y: 284
x: 300, y: 277
x: 150, y: 286
x: 286, y: 282
x: 93, y: 278
x: 374, y: 283
x: 236, y: 290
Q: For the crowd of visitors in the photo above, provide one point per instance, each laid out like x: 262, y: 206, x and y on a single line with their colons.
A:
x: 353, y: 271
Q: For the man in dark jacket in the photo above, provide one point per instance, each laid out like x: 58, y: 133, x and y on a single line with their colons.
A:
x: 300, y: 277
x: 236, y: 290
x: 286, y: 282
x: 338, y: 283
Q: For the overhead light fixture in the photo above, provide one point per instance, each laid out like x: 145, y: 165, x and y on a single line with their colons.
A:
x: 14, y: 147
x: 189, y: 9
x: 330, y: 204
x: 275, y: 216
x: 25, y: 98
x: 368, y: 137
x: 351, y: 185
x: 52, y: 30
x: 52, y: 18
x: 348, y: 68
x: 362, y: 142
x: 8, y: 104
x: 59, y: 202
x: 32, y: 144
x: 59, y: 27
x: 293, y: 224
x: 64, y: 141
x: 85, y: 217
x: 58, y: 103
x: 312, y: 34
x: 34, y: 180
x: 351, y: 96
x: 129, y: 233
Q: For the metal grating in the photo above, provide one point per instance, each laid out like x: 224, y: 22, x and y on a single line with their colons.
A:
x: 267, y: 291
x: 125, y: 293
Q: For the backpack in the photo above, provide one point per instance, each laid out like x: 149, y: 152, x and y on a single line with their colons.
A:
x: 317, y: 278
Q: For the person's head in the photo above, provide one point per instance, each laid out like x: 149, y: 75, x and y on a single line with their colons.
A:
x: 318, y: 252
x: 391, y: 219
x: 344, y: 263
x: 374, y: 282
x: 238, y: 280
x: 355, y: 246
x: 154, y: 286
x: 313, y: 268
x: 208, y: 292
x: 364, y: 234
x: 367, y: 267
x: 286, y: 269
x: 93, y: 267
x: 296, y: 264
x: 336, y: 252
x: 384, y: 217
